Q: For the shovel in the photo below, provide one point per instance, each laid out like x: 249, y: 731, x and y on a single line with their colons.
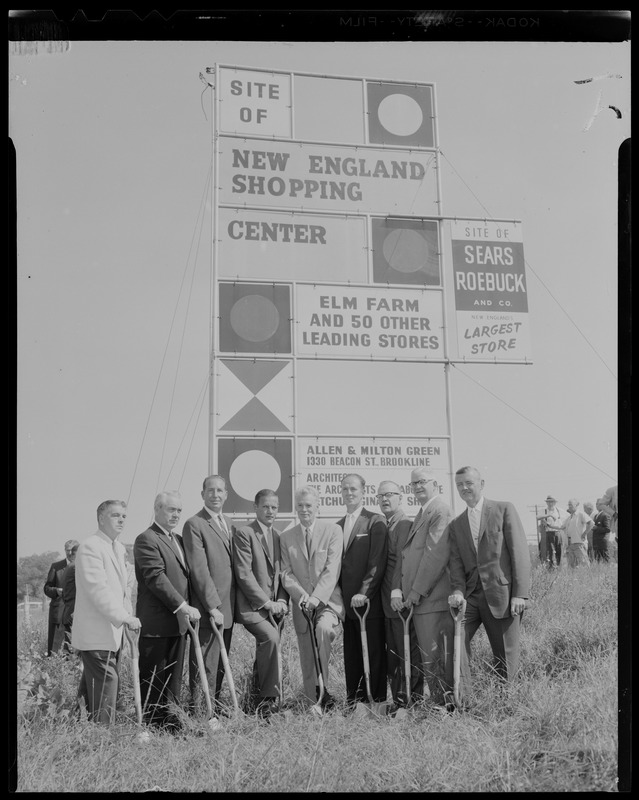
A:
x: 280, y: 678
x: 407, y: 666
x: 227, y: 668
x: 458, y: 617
x: 195, y: 639
x: 132, y: 638
x: 373, y: 708
x: 310, y: 618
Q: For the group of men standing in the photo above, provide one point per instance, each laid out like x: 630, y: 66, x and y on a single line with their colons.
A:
x: 368, y: 569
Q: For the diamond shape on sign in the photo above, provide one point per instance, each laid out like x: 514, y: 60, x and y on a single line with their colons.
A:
x: 255, y: 416
x: 255, y: 374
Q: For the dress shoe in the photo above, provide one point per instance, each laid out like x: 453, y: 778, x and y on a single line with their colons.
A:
x: 267, y: 707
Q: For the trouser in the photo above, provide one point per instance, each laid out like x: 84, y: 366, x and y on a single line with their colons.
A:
x: 435, y: 632
x: 213, y: 663
x: 503, y: 636
x: 266, y: 656
x: 354, y: 663
x: 553, y: 548
x: 600, y: 550
x: 161, y: 664
x: 395, y: 662
x: 326, y: 629
x: 577, y: 555
x: 99, y: 684
x: 55, y: 637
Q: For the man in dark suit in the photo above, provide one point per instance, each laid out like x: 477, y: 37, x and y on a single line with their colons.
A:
x: 53, y: 589
x: 256, y: 562
x: 600, y: 532
x: 389, y: 497
x: 421, y: 581
x: 163, y: 607
x: 207, y: 540
x: 68, y: 599
x: 490, y: 569
x: 363, y: 567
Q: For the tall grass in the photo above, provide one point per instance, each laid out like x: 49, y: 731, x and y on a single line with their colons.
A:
x: 555, y: 729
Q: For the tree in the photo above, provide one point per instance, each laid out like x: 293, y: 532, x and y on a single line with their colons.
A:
x: 32, y: 572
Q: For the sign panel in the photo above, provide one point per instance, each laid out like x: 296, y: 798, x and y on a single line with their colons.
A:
x: 279, y: 174
x: 323, y: 462
x: 491, y: 296
x: 362, y: 322
x: 253, y: 464
x: 280, y: 245
x: 255, y: 102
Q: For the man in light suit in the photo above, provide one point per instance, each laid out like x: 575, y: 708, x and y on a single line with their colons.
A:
x: 490, y: 568
x: 207, y: 540
x: 363, y: 567
x: 256, y: 562
x: 421, y: 581
x: 389, y: 497
x: 102, y: 608
x: 311, y: 562
x: 53, y: 588
x: 163, y: 608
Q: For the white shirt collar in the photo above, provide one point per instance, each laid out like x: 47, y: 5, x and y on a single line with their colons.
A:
x: 480, y: 505
x: 264, y: 528
x: 163, y: 529
x: 355, y: 514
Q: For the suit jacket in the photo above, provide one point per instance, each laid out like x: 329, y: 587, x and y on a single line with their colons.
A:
x: 210, y: 556
x: 364, y: 562
x: 55, y: 580
x: 399, y: 526
x: 502, y: 562
x: 257, y: 575
x: 316, y: 573
x: 68, y: 594
x: 422, y: 561
x: 163, y: 583
x: 102, y: 603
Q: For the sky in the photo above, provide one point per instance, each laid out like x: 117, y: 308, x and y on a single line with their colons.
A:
x: 113, y: 153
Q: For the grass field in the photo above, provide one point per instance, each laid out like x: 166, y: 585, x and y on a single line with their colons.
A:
x: 554, y: 730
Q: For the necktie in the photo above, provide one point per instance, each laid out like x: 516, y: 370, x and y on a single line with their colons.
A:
x: 176, y: 547
x: 268, y: 536
x: 417, y: 519
x: 222, y: 524
x: 309, y: 539
x: 473, y: 517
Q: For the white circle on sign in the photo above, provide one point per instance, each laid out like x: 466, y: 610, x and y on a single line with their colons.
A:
x: 400, y: 114
x: 405, y: 250
x: 252, y: 471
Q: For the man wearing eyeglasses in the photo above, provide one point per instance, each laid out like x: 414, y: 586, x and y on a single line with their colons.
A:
x: 363, y: 567
x: 421, y: 581
x: 389, y: 498
x: 490, y: 569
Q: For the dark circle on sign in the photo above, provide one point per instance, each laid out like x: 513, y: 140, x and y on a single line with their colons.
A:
x: 254, y: 318
x: 406, y: 250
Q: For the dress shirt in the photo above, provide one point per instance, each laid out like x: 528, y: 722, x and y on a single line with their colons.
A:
x: 268, y: 536
x: 474, y: 520
x: 576, y: 526
x: 349, y: 524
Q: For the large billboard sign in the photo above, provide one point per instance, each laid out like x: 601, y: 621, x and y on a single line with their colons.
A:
x: 330, y: 245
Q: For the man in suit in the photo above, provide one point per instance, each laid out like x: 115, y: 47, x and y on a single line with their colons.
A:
x: 363, y: 567
x: 256, y: 562
x: 600, y: 532
x: 389, y: 498
x: 421, y: 581
x: 311, y: 561
x: 163, y: 606
x: 102, y: 608
x: 53, y: 589
x: 68, y: 599
x: 490, y: 569
x: 207, y: 540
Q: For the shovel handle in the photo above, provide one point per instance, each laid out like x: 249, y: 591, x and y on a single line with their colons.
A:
x: 132, y: 638
x: 227, y: 666
x: 458, y: 613
x: 406, y: 618
x: 362, y: 617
